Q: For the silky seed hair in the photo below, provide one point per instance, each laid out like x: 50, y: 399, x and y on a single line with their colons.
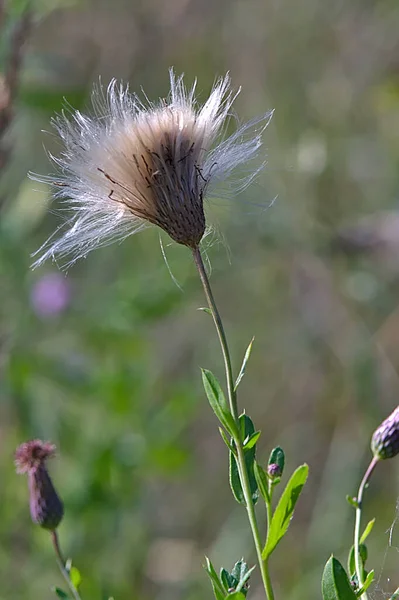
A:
x: 135, y: 163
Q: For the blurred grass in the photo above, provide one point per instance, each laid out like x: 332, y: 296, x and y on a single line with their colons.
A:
x: 113, y: 378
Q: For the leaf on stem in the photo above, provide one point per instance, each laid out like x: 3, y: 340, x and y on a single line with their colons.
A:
x: 247, y: 430
x: 60, y: 593
x: 244, y: 364
x: 217, y: 586
x: 368, y: 581
x: 262, y: 481
x: 363, y: 553
x: 250, y: 441
x: 285, y: 509
x: 218, y: 401
x: 335, y: 583
x: 367, y: 531
x: 352, y: 501
x: 206, y: 310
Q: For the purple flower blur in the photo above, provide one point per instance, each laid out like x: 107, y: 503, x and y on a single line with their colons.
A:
x: 50, y: 295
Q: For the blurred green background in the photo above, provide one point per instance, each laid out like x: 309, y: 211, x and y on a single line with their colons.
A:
x: 104, y: 361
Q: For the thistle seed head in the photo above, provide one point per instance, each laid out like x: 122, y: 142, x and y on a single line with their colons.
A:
x: 385, y: 439
x: 137, y: 163
x: 46, y: 508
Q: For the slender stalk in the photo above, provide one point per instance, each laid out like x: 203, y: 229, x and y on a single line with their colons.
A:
x: 359, y: 500
x: 61, y: 564
x: 232, y: 398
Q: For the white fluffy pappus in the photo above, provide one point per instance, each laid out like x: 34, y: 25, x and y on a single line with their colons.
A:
x: 135, y: 163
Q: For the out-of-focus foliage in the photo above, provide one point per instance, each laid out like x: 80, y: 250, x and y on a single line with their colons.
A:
x: 104, y: 361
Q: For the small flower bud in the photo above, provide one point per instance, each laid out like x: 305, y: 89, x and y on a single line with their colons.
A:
x: 46, y: 508
x: 276, y: 462
x: 385, y: 440
x: 274, y: 471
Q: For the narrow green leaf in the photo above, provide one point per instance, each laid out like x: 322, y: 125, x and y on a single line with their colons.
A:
x: 285, y: 509
x: 218, y: 401
x: 352, y: 501
x: 244, y: 363
x: 227, y: 441
x: 367, y: 531
x: 235, y: 596
x: 60, y: 593
x: 247, y: 429
x: 335, y: 583
x: 206, y: 310
x: 218, y: 589
x: 251, y: 441
x: 368, y: 581
x: 351, y: 559
x: 262, y: 481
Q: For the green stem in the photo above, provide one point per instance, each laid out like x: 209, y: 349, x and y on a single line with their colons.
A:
x: 61, y: 564
x: 359, y: 500
x: 232, y: 397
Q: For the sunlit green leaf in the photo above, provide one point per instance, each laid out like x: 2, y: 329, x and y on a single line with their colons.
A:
x: 335, y: 583
x: 244, y: 363
x: 285, y: 509
x: 367, y: 582
x: 251, y: 440
x: 218, y: 589
x: 367, y: 531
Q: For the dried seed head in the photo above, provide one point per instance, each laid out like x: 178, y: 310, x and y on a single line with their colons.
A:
x: 46, y: 508
x: 135, y: 164
x: 385, y: 439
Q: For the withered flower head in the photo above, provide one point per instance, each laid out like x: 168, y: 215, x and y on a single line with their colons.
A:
x: 385, y: 439
x: 137, y: 163
x: 46, y: 508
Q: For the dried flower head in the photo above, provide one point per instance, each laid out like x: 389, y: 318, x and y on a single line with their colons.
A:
x: 136, y: 163
x: 46, y: 508
x: 385, y: 439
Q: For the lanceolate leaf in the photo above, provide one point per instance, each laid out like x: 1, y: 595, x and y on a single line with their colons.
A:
x: 285, y: 509
x: 218, y: 589
x: 368, y: 581
x: 244, y: 364
x: 235, y: 596
x: 251, y: 441
x: 335, y: 583
x: 218, y: 401
x: 367, y: 531
x: 247, y: 430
